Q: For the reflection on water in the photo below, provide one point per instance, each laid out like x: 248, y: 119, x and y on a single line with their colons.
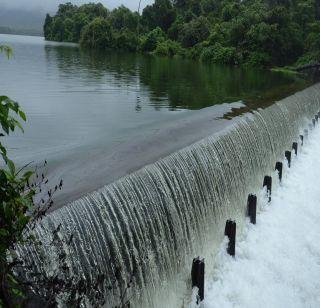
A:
x: 177, y: 83
x: 77, y: 99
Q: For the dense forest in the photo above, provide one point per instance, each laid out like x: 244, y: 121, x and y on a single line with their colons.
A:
x: 249, y: 32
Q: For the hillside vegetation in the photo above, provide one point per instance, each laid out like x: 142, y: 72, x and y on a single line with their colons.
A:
x: 264, y: 33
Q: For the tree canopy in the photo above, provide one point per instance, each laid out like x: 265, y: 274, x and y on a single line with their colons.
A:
x: 251, y: 32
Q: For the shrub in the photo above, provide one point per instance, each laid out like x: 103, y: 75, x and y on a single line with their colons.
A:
x: 126, y: 40
x: 168, y: 48
x: 149, y: 42
x: 219, y: 54
x: 308, y: 58
x: 258, y: 59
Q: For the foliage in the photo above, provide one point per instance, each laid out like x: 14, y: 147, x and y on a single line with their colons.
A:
x: 160, y: 14
x: 98, y: 34
x: 125, y: 40
x: 168, y: 48
x: 15, y: 200
x: 122, y: 18
x: 219, y: 54
x: 152, y: 39
x: 194, y: 32
x: 18, y: 209
x: 255, y: 32
x: 70, y: 20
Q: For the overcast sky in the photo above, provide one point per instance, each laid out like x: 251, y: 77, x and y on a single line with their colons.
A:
x: 51, y: 5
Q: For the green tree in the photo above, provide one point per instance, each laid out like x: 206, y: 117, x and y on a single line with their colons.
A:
x: 80, y: 20
x: 47, y: 27
x: 263, y: 32
x: 152, y: 39
x: 194, y: 32
x: 122, y: 18
x: 98, y: 34
x: 161, y: 14
x: 126, y: 40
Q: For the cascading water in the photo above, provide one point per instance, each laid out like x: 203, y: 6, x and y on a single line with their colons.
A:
x: 147, y: 226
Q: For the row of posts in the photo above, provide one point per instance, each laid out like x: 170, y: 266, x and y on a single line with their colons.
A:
x: 198, y: 264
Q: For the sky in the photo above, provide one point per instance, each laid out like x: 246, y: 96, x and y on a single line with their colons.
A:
x: 51, y: 5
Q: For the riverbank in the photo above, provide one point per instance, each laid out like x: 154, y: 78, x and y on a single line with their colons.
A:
x: 277, y: 260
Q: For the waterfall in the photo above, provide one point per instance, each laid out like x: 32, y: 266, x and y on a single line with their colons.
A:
x: 147, y: 227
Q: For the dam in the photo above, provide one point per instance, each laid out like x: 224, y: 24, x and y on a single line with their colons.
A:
x: 134, y: 239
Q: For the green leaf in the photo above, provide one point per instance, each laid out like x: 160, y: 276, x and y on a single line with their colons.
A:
x: 22, y: 115
x: 27, y: 175
x: 12, y: 167
x: 4, y: 233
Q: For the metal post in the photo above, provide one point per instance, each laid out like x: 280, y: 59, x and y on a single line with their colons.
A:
x: 279, y: 167
x: 252, y: 208
x: 197, y: 276
x: 301, y: 138
x: 267, y: 181
x: 230, y: 232
x: 295, y: 147
x: 287, y: 154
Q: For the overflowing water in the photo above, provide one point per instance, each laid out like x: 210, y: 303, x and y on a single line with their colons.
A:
x: 277, y: 260
x: 144, y: 229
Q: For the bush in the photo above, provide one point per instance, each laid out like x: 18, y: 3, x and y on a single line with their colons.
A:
x: 151, y: 40
x: 168, y: 48
x: 219, y: 54
x: 126, y: 40
x: 258, y: 59
x: 308, y: 58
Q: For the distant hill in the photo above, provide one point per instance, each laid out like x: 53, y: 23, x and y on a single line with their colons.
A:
x: 19, y: 21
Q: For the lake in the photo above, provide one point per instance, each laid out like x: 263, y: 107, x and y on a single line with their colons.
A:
x: 97, y: 116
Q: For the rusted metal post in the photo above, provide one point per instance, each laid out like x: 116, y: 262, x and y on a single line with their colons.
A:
x: 287, y: 154
x: 279, y: 168
x: 197, y: 277
x: 230, y: 232
x: 295, y: 147
x: 252, y: 208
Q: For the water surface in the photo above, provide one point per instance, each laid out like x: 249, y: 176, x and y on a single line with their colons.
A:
x: 84, y: 108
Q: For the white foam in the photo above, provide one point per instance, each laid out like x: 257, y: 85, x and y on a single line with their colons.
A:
x: 277, y: 261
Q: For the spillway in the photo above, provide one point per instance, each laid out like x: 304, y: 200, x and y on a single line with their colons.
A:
x: 134, y: 240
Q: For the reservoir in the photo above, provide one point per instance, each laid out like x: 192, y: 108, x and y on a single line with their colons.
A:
x: 96, y: 117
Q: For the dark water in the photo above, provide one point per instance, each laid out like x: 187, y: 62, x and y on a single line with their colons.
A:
x: 83, y: 105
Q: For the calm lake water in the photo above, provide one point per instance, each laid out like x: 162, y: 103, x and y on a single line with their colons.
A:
x: 81, y: 102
